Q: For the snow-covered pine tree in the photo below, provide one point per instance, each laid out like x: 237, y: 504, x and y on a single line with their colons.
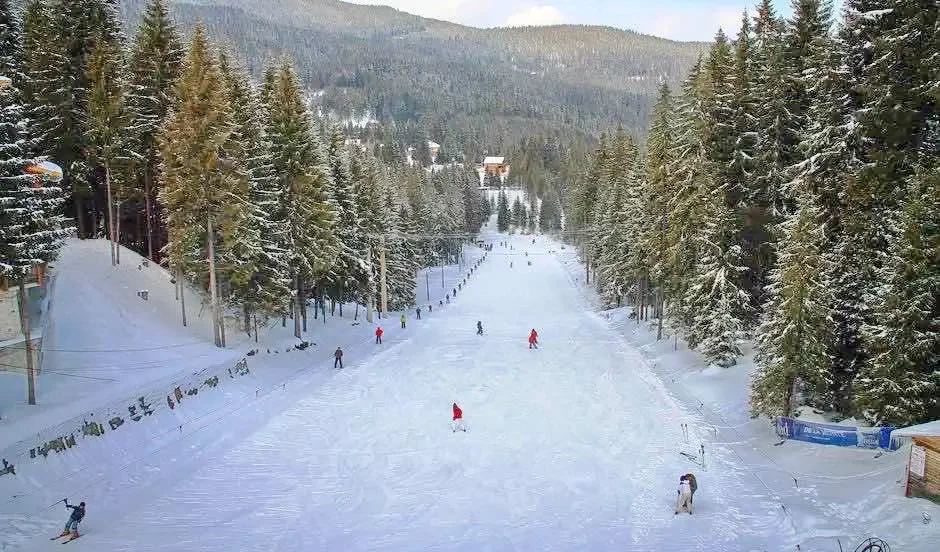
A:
x: 303, y: 175
x: 776, y: 142
x: 11, y: 44
x: 254, y: 260
x: 793, y: 338
x: 369, y: 205
x: 349, y: 276
x: 503, y: 217
x: 655, y: 198
x: 199, y: 182
x: 154, y: 67
x: 106, y: 124
x: 32, y: 228
x: 718, y: 302
x: 549, y: 212
x: 690, y: 176
x: 901, y: 383
x: 517, y: 214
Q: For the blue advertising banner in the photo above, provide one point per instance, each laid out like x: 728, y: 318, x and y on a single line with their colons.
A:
x: 834, y: 434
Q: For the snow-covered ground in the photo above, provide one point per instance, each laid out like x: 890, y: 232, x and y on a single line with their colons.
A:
x: 574, y: 446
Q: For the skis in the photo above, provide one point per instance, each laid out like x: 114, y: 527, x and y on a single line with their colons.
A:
x: 71, y: 539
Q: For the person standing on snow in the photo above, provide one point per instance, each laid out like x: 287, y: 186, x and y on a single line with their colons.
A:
x: 403, y: 320
x: 418, y: 312
x: 479, y: 328
x: 458, y: 419
x: 338, y: 357
x: 78, y: 514
x: 534, y: 339
x: 684, y: 502
x: 378, y: 335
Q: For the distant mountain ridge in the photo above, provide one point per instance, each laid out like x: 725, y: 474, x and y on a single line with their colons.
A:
x: 463, y: 83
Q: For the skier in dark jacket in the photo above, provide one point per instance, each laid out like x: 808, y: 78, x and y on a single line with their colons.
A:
x: 418, y: 313
x: 338, y: 357
x: 78, y: 513
x: 479, y: 328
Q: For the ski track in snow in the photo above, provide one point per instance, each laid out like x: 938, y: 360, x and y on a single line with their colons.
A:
x: 573, y: 446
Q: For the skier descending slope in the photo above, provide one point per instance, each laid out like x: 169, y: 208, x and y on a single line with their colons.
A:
x: 71, y: 526
x: 479, y: 327
x: 458, y: 419
x: 534, y: 339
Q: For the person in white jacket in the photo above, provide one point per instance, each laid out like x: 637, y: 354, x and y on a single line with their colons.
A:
x: 684, y: 502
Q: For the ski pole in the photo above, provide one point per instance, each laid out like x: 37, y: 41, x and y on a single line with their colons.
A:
x: 58, y: 501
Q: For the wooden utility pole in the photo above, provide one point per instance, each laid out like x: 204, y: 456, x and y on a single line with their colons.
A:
x: 28, y: 348
x: 370, y: 300
x: 382, y: 276
x: 214, y: 298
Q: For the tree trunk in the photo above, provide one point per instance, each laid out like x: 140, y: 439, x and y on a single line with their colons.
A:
x: 788, y: 394
x: 27, y: 346
x: 255, y: 319
x: 179, y: 279
x: 297, y: 306
x: 247, y: 313
x: 221, y: 315
x: 213, y: 294
x: 322, y: 303
x: 659, y: 307
x: 79, y: 214
x: 302, y: 295
x: 147, y: 184
x: 117, y: 233
x: 111, y: 235
x: 94, y: 223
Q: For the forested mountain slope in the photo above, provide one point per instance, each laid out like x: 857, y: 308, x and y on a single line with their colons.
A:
x: 472, y: 88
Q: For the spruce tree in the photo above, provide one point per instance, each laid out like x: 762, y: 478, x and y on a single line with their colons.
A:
x: 517, y: 214
x: 154, y: 67
x: 32, y: 228
x: 303, y: 176
x: 793, y: 338
x: 503, y: 217
x: 349, y: 275
x: 901, y: 383
x: 200, y: 180
x: 106, y: 123
x: 11, y: 44
x: 255, y: 258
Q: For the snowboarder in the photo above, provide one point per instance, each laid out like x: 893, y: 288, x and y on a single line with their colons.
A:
x: 430, y: 307
x: 71, y: 526
x: 534, y: 339
x: 458, y: 419
x: 479, y: 328
x: 684, y: 501
x: 403, y: 320
x: 418, y: 312
x: 378, y: 335
x: 338, y: 358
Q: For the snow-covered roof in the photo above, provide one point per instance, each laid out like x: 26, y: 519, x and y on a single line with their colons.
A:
x: 493, y: 160
x: 433, y: 144
x: 929, y: 429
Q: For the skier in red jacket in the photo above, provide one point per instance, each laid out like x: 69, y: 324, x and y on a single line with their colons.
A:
x: 378, y: 335
x: 534, y: 339
x: 458, y: 419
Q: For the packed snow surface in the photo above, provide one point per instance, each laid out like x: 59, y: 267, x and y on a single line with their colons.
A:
x: 573, y: 446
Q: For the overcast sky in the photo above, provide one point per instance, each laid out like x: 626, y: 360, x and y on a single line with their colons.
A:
x: 675, y: 19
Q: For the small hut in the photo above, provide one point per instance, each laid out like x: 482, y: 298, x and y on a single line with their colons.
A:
x: 923, y: 471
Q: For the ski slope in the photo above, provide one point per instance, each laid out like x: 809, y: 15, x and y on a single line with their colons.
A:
x: 574, y: 446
